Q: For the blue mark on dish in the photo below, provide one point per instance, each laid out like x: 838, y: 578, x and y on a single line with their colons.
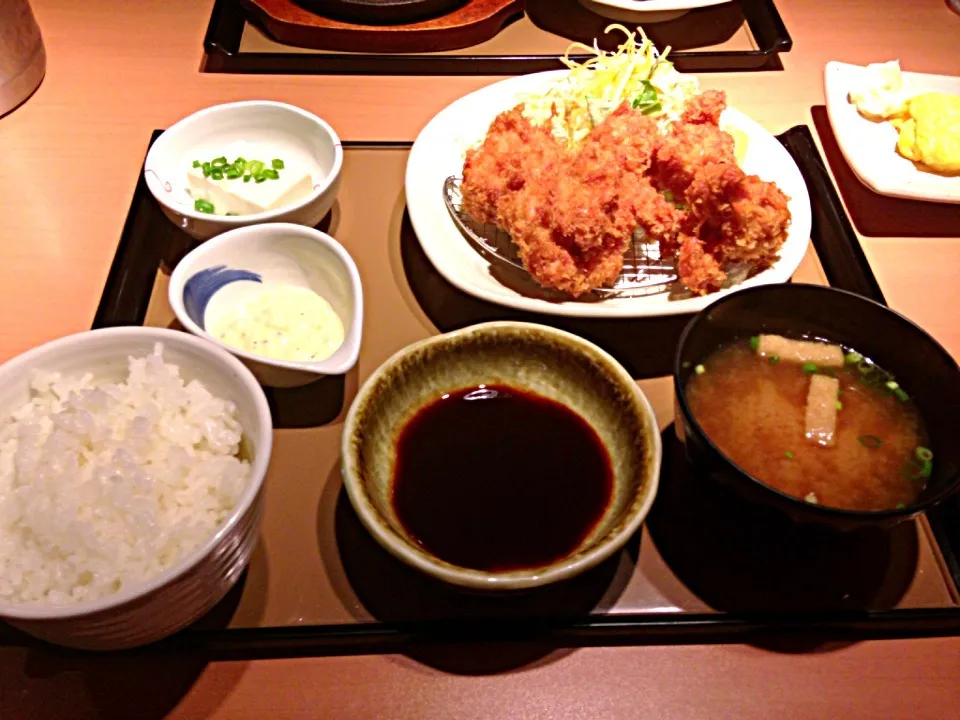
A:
x: 198, y: 290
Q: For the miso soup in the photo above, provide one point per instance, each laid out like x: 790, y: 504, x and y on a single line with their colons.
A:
x: 814, y: 420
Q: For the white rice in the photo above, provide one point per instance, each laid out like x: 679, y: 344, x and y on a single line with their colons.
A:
x: 105, y: 485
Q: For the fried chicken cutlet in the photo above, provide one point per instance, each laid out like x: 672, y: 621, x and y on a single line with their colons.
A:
x: 513, y: 153
x: 731, y: 216
x: 570, y: 214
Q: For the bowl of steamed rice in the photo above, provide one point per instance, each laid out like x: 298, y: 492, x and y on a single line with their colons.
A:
x: 131, y: 466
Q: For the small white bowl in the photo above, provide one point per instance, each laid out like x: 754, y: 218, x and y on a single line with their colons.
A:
x: 202, y: 287
x: 646, y: 11
x: 183, y: 593
x: 283, y: 130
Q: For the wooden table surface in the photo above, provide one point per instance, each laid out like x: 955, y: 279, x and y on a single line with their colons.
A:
x: 69, y: 159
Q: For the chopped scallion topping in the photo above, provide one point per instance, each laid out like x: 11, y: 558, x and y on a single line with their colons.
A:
x: 852, y: 358
x: 901, y: 395
x: 839, y: 405
x: 754, y: 342
x: 699, y: 369
x: 809, y: 368
x: 201, y: 205
x: 923, y: 454
x: 900, y: 506
x: 870, y: 441
x: 220, y: 168
x: 788, y: 455
x: 774, y: 359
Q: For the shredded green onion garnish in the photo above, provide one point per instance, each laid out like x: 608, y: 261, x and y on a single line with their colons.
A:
x: 839, y: 405
x: 219, y: 168
x: 809, y: 368
x: 901, y: 395
x: 754, y: 342
x: 201, y: 205
x: 921, y: 466
x: 789, y: 455
x: 774, y: 359
x: 870, y: 441
x: 699, y: 369
x: 852, y: 358
x: 900, y: 506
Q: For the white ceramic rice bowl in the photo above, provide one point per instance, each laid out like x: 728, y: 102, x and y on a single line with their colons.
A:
x: 170, y: 601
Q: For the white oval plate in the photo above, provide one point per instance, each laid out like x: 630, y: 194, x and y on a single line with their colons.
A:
x: 439, y: 153
x: 870, y: 148
x: 646, y: 11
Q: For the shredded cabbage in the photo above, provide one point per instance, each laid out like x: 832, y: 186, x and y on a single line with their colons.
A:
x: 635, y: 72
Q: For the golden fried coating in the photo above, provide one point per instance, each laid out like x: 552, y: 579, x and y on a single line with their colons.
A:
x: 741, y: 217
x: 573, y: 225
x: 698, y: 271
x: 572, y: 214
x: 705, y: 108
x: 685, y: 150
x: 513, y: 153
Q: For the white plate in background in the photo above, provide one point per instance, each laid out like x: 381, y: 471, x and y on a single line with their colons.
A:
x: 870, y: 148
x: 645, y: 11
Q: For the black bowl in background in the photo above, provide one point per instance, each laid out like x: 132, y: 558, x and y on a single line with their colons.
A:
x: 921, y: 366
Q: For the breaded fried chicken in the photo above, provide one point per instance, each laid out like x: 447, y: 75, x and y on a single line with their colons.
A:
x: 705, y: 108
x: 513, y: 153
x: 685, y: 151
x: 741, y: 218
x: 698, y: 271
x: 572, y: 226
x: 572, y: 214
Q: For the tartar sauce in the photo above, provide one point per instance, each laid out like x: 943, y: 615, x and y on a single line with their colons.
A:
x: 284, y: 322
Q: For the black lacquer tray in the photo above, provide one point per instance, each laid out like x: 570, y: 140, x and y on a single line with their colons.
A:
x: 704, y: 568
x: 742, y: 35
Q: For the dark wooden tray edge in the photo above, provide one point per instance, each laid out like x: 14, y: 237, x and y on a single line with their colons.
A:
x: 222, y: 53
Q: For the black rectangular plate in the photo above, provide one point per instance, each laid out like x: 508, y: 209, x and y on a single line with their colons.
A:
x: 223, y: 54
x: 125, y: 301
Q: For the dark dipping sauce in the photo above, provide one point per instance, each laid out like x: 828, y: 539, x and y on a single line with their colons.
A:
x: 495, y: 478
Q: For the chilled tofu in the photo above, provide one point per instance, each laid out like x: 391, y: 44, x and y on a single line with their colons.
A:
x: 820, y: 420
x: 246, y: 198
x: 801, y: 351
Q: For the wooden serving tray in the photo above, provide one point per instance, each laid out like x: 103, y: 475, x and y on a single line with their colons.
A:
x: 319, y: 583
x: 475, y: 22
